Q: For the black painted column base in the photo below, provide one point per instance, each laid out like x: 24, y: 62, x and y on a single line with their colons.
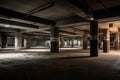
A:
x: 4, y: 41
x: 94, y: 38
x: 54, y: 40
x: 54, y: 47
x: 93, y: 50
x: 106, y: 45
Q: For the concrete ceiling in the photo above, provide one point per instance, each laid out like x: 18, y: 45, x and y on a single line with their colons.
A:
x: 70, y: 15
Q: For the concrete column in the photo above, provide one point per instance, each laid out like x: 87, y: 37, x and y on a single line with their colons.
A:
x: 117, y: 41
x: 54, y: 39
x: 80, y: 42
x: 27, y: 42
x: 93, y: 38
x: 62, y: 41
x: 100, y: 43
x: 18, y: 40
x: 3, y: 41
x: 72, y: 42
x: 34, y: 42
x: 65, y: 41
x: 85, y: 39
x: 45, y: 43
x: 77, y: 42
x: 106, y: 41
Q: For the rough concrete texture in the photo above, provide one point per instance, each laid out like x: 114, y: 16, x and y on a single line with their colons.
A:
x: 69, y: 64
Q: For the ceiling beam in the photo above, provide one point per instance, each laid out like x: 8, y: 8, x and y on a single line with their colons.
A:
x: 76, y: 29
x: 66, y: 32
x: 4, y: 29
x: 4, y: 21
x: 63, y: 32
x: 14, y: 14
x: 32, y: 34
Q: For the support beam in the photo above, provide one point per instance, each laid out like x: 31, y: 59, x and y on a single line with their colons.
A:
x: 54, y: 39
x: 80, y: 42
x: 85, y: 39
x: 3, y: 40
x: 117, y: 41
x: 14, y: 14
x: 46, y: 43
x: 72, y: 42
x: 18, y: 40
x: 94, y: 38
x: 106, y: 42
x: 27, y: 41
x: 66, y: 32
x: 62, y: 41
x: 9, y: 22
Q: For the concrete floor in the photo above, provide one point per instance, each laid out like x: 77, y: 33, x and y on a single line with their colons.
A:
x: 69, y: 64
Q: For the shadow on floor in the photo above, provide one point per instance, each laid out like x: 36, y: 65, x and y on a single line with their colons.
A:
x: 72, y: 57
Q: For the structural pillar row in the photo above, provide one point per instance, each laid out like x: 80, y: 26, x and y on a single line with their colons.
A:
x: 106, y: 41
x: 85, y: 39
x: 93, y: 38
x: 18, y: 40
x: 3, y: 41
x: 54, y: 39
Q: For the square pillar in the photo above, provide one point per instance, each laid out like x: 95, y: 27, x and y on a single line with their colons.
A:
x: 3, y: 41
x: 62, y: 41
x: 93, y: 38
x: 45, y: 43
x: 18, y: 40
x: 85, y: 39
x: 117, y: 41
x: 80, y: 42
x: 54, y: 39
x: 72, y: 42
x: 106, y: 41
x: 27, y: 42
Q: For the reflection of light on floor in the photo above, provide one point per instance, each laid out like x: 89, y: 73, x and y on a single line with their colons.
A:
x: 69, y: 48
x: 9, y: 55
x: 21, y: 56
x: 36, y: 50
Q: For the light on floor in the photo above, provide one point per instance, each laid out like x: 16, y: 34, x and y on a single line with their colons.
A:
x: 13, y: 55
x: 7, y: 25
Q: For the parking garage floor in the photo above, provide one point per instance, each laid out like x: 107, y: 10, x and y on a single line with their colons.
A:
x: 69, y: 64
